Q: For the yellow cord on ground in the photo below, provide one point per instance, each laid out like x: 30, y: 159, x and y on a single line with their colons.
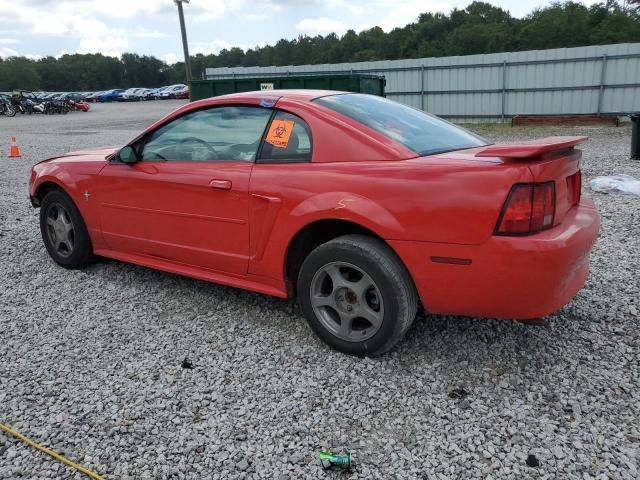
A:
x: 51, y: 453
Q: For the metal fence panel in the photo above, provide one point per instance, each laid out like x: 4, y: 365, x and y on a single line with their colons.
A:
x: 593, y: 79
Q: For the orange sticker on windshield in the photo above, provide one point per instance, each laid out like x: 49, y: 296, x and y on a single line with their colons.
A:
x: 280, y: 133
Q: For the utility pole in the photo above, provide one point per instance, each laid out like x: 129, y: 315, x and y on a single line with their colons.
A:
x: 185, y: 46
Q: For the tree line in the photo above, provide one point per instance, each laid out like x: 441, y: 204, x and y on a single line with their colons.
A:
x: 479, y: 28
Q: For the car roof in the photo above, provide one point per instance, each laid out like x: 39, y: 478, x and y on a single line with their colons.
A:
x: 294, y: 94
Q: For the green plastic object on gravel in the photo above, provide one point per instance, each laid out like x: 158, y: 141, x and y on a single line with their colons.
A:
x: 343, y: 459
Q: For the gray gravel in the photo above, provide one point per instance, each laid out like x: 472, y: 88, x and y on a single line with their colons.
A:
x: 91, y: 360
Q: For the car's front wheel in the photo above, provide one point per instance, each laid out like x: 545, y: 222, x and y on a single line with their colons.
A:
x: 64, y: 232
x: 357, y: 295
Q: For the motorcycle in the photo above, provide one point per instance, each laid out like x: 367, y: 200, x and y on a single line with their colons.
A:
x: 22, y: 105
x: 6, y: 107
x: 77, y: 105
x: 59, y: 106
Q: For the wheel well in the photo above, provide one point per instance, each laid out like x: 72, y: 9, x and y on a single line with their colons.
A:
x: 42, y: 191
x: 312, y: 236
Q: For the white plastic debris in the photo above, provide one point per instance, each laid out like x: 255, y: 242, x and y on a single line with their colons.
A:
x: 616, y: 183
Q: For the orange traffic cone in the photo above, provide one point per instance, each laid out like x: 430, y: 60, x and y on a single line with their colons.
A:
x: 14, y: 151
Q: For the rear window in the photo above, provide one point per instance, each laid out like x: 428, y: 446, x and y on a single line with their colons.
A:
x: 293, y: 144
x: 421, y: 132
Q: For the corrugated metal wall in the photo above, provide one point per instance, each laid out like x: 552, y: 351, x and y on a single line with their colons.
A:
x: 595, y: 79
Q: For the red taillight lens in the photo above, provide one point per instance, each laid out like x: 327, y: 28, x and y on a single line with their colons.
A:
x: 516, y: 217
x: 574, y: 187
x: 529, y: 208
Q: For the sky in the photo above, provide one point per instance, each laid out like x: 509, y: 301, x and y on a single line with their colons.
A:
x: 37, y: 28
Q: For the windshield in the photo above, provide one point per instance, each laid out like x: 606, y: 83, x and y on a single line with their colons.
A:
x: 421, y: 132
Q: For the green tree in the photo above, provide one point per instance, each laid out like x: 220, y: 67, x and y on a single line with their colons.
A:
x: 18, y: 72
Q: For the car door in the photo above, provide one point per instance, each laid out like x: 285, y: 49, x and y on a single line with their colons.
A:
x: 186, y: 199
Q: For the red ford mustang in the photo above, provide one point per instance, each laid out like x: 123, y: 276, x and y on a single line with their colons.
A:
x: 359, y: 206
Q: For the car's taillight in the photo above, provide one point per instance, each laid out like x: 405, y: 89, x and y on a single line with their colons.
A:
x: 574, y: 188
x: 529, y: 208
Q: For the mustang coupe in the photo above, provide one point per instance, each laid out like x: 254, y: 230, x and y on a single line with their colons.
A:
x: 359, y: 207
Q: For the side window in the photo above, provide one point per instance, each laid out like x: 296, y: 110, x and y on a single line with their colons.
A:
x: 230, y: 133
x: 288, y: 139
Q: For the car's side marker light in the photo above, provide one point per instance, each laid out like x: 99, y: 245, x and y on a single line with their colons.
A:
x: 451, y: 260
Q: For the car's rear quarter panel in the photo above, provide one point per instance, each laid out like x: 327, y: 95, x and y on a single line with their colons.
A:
x: 420, y: 200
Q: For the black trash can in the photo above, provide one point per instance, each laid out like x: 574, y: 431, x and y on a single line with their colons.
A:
x: 635, y: 136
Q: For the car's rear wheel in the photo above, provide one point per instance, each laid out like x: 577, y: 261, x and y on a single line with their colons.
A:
x: 357, y: 295
x: 64, y: 232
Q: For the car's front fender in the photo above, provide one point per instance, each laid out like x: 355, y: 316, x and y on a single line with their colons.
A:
x: 77, y: 180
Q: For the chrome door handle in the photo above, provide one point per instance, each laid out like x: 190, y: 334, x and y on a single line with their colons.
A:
x: 220, y: 184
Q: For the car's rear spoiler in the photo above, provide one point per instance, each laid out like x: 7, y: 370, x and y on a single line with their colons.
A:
x: 530, y: 149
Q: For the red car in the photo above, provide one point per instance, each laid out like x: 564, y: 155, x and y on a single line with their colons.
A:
x: 359, y: 206
x: 182, y: 93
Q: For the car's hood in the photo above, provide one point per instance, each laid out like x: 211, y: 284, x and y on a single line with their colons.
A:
x: 91, y: 155
x: 99, y: 152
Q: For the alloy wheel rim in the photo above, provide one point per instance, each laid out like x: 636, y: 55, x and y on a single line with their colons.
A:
x: 347, y: 301
x: 60, y: 230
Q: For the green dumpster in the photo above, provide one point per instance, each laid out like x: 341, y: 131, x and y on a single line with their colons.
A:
x: 371, y: 84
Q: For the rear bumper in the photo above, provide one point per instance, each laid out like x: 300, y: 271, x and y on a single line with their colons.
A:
x: 507, y: 277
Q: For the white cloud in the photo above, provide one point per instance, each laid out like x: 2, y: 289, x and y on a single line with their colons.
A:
x: 65, y: 19
x: 6, y: 52
x: 211, y: 10
x: 356, y: 10
x: 363, y: 26
x: 257, y: 16
x: 9, y: 41
x: 401, y: 12
x: 144, y: 33
x: 119, y: 8
x: 321, y: 25
x: 215, y: 46
x: 110, y: 45
x: 171, y: 58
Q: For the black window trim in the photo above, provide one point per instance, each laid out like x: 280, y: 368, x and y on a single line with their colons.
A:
x: 270, y: 161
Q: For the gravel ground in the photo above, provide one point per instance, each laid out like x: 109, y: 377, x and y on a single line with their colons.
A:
x: 92, y: 360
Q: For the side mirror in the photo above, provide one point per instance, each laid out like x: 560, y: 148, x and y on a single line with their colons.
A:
x: 128, y: 155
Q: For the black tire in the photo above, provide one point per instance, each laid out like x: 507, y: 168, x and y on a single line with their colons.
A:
x: 80, y: 253
x: 397, y: 305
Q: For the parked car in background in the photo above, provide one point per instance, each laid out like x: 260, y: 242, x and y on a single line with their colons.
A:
x: 93, y: 97
x: 170, y: 91
x: 127, y: 95
x: 133, y: 94
x: 142, y: 94
x: 182, y: 93
x: 75, y: 96
x: 155, y: 93
x: 358, y: 206
x: 109, y: 95
x: 146, y: 94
